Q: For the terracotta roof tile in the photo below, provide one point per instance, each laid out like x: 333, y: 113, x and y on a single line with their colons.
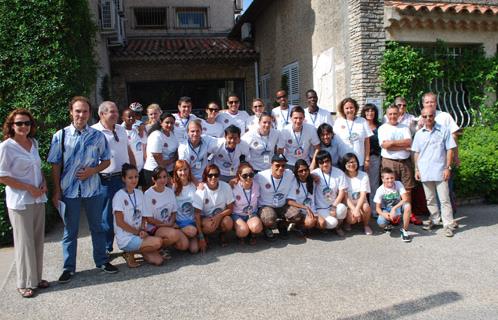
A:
x: 444, y: 7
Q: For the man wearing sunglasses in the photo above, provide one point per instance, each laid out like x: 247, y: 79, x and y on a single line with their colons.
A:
x: 233, y: 116
x: 434, y: 146
x: 404, y: 117
x: 121, y: 153
x: 281, y: 114
x: 275, y: 184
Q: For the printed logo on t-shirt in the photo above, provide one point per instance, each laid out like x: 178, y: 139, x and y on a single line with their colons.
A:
x: 297, y: 191
x: 204, y: 129
x: 154, y: 201
x: 267, y: 186
x: 165, y: 145
x: 226, y: 120
x: 164, y: 214
x: 206, y: 201
x: 187, y: 208
x: 192, y: 158
x: 237, y: 197
x: 289, y: 141
x: 126, y: 202
x: 255, y: 143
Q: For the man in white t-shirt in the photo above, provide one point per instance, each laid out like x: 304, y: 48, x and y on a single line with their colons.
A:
x: 275, y: 184
x: 315, y: 115
x: 183, y: 117
x: 233, y: 116
x: 281, y: 114
x: 404, y: 117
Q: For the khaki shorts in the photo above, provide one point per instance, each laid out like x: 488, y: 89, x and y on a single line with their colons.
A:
x: 403, y: 171
x: 269, y: 215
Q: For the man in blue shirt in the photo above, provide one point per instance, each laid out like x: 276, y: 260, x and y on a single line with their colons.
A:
x: 77, y: 154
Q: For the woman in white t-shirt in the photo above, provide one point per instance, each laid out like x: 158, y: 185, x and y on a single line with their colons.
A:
x: 187, y: 219
x: 358, y: 188
x: 209, y: 126
x: 20, y: 171
x: 246, y: 193
x: 214, y: 202
x: 160, y: 203
x: 162, y: 146
x: 130, y: 222
x: 257, y: 107
x: 154, y: 111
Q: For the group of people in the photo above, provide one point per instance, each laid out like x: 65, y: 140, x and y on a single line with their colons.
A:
x: 173, y: 180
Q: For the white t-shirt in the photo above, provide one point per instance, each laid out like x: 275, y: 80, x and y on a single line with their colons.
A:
x: 299, y: 193
x: 317, y: 118
x: 397, y: 132
x: 357, y: 184
x: 23, y: 166
x: 446, y: 120
x: 228, y: 162
x: 297, y: 144
x: 282, y: 117
x: 214, y: 130
x: 238, y: 120
x: 160, y: 205
x: 197, y: 157
x: 352, y: 135
x: 261, y: 148
x: 389, y: 197
x: 246, y: 201
x: 159, y: 142
x: 119, y: 149
x: 137, y: 146
x: 181, y: 126
x: 132, y: 207
x: 252, y: 123
x: 273, y: 192
x: 329, y: 186
x: 212, y: 202
x: 184, y: 203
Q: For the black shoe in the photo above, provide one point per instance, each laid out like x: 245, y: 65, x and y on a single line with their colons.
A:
x: 269, y: 235
x: 283, y: 233
x: 66, y: 276
x: 108, y: 268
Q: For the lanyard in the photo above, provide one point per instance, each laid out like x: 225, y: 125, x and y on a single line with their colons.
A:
x: 265, y: 143
x: 324, y: 179
x: 184, y: 124
x: 350, y: 129
x: 286, y: 120
x: 230, y: 154
x: 193, y: 149
x: 273, y: 183
x: 316, y: 116
x: 248, y: 198
x: 300, y: 136
x: 134, y: 201
x: 304, y: 189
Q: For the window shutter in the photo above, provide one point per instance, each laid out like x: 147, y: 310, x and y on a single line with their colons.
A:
x: 292, y: 73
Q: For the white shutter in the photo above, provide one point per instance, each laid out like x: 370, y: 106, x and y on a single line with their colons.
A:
x: 292, y: 73
x: 264, y: 88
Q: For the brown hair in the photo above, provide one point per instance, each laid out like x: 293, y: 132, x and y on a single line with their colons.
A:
x: 8, y: 132
x: 209, y: 168
x: 177, y: 182
x: 340, y: 108
x: 242, y: 166
x: 79, y: 98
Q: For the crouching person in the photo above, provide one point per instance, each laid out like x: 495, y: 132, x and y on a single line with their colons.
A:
x: 130, y: 223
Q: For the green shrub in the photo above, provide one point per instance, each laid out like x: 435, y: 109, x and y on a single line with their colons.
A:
x: 477, y: 174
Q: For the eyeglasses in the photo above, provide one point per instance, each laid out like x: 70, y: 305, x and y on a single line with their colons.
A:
x: 323, y: 161
x: 115, y: 135
x: 258, y: 106
x: 247, y: 175
x: 428, y: 116
x: 23, y: 123
x: 232, y: 102
x: 213, y: 175
x: 280, y: 97
x: 401, y: 105
x: 214, y: 109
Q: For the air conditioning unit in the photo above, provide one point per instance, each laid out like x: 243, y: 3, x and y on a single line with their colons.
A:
x: 246, y: 32
x: 107, y: 15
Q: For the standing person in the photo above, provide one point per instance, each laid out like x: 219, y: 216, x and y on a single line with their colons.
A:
x: 281, y: 114
x: 404, y: 117
x: 315, y: 115
x: 395, y: 140
x: 229, y: 152
x: 183, y: 118
x: 356, y: 198
x: 246, y: 193
x: 353, y: 132
x: 197, y: 148
x: 331, y: 193
x: 328, y: 143
x: 299, y: 139
x: 371, y: 114
x: 77, y: 154
x: 162, y: 147
x: 121, y: 153
x: 210, y: 126
x: 233, y: 116
x: 25, y: 197
x: 275, y: 184
x: 262, y: 143
x: 130, y: 222
x: 136, y: 143
x: 154, y: 111
x: 433, y: 146
x: 257, y: 107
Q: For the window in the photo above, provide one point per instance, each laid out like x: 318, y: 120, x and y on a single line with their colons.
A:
x: 191, y: 18
x: 291, y: 72
x: 264, y: 89
x: 150, y: 18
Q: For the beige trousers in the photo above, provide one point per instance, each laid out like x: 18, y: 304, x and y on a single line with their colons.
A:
x: 28, y: 228
x: 441, y: 189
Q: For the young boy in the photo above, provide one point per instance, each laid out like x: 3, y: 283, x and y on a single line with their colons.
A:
x: 390, y: 202
x: 229, y: 153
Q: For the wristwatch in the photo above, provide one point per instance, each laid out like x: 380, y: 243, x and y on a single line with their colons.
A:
x: 448, y: 167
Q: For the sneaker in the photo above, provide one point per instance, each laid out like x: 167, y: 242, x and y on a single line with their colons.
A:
x: 66, y: 276
x: 269, y: 235
x: 368, y: 230
x: 291, y: 226
x: 283, y: 233
x: 405, y: 236
x: 448, y: 232
x: 428, y: 225
x: 340, y: 232
x: 388, y: 228
x: 108, y: 268
x: 453, y: 226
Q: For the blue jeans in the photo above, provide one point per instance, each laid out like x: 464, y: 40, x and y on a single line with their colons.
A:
x: 109, y: 188
x: 93, y: 209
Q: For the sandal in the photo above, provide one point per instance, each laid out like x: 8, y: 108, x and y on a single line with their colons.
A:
x: 130, y: 260
x: 252, y: 240
x: 44, y: 284
x: 26, y: 292
x: 165, y: 254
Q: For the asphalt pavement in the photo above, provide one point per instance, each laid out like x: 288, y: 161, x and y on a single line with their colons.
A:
x: 322, y: 277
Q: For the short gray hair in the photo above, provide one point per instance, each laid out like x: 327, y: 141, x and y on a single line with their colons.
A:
x: 104, y: 106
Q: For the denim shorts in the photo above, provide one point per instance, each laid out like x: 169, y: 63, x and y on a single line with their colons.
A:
x: 236, y: 217
x: 382, y: 221
x: 134, y: 244
x: 184, y: 223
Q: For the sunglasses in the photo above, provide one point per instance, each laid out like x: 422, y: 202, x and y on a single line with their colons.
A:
x: 258, y: 106
x: 115, y: 135
x: 247, y: 175
x: 214, y: 109
x: 428, y: 116
x: 280, y: 97
x: 213, y: 175
x: 232, y: 102
x: 401, y: 105
x: 323, y: 161
x: 23, y: 123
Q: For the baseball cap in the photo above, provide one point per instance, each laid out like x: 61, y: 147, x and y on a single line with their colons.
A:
x: 278, y: 158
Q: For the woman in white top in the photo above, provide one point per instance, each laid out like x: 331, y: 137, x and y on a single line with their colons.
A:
x: 246, y: 193
x: 162, y: 147
x: 20, y: 171
x: 257, y: 107
x: 356, y: 199
x: 187, y: 219
x: 209, y: 126
x: 154, y: 111
x: 160, y: 203
x: 353, y: 132
x: 130, y: 222
x: 214, y: 203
